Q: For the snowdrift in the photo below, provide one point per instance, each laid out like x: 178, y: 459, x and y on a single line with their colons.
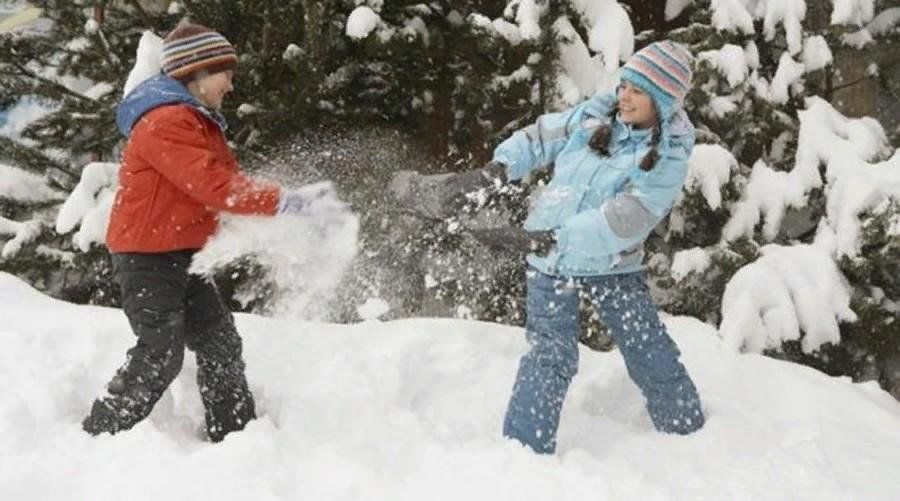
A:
x: 412, y: 409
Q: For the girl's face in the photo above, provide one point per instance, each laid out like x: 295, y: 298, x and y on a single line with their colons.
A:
x: 211, y: 89
x: 636, y: 107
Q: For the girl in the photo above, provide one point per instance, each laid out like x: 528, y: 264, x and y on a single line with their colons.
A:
x: 619, y: 162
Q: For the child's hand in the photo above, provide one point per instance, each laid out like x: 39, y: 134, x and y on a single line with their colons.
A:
x: 301, y: 200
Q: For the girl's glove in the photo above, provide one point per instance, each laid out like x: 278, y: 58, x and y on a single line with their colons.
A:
x: 298, y: 201
x: 459, y: 188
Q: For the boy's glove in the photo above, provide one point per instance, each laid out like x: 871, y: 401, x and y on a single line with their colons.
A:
x: 516, y: 239
x: 300, y: 200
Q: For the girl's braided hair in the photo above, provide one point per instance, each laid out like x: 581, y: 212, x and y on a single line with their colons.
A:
x: 602, y: 137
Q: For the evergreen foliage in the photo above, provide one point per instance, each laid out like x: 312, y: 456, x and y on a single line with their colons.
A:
x: 758, y: 128
x: 73, y: 64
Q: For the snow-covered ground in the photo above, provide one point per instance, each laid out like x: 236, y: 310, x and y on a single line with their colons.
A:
x: 412, y: 410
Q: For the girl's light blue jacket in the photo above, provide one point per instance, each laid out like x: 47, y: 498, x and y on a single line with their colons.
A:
x: 602, y: 208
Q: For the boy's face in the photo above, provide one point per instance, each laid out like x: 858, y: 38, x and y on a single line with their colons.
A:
x: 211, y: 89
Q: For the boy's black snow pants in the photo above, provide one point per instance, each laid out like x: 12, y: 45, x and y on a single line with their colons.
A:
x: 170, y: 309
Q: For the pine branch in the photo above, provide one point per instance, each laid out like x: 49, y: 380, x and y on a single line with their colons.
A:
x: 30, y: 158
x: 23, y: 71
x: 141, y: 12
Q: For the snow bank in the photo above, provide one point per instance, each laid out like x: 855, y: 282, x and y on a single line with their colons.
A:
x: 411, y: 410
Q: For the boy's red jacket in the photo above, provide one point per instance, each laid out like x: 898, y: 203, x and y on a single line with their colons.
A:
x: 177, y: 173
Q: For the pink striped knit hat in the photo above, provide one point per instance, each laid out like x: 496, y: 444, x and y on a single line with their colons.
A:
x: 190, y: 48
x: 662, y: 70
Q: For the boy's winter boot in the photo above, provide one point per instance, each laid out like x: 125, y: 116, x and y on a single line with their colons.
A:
x: 133, y: 391
x: 226, y: 397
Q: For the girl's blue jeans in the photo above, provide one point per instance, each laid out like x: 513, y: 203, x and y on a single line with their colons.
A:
x: 545, y: 371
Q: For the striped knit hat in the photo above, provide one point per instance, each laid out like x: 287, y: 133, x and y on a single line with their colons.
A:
x: 662, y: 70
x: 190, y: 48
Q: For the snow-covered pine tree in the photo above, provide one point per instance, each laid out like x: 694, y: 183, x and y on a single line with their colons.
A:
x: 467, y: 74
x: 65, y: 71
x: 286, y: 50
x: 788, y: 233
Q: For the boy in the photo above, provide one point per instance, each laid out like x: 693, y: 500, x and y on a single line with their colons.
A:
x: 177, y: 174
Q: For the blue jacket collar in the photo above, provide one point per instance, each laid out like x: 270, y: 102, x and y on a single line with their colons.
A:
x: 158, y: 91
x: 623, y: 131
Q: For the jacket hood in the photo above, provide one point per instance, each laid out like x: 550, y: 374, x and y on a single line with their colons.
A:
x: 160, y: 90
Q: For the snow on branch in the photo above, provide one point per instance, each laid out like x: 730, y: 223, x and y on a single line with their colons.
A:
x: 856, y: 12
x: 610, y: 31
x: 528, y: 16
x: 687, y: 261
x: 732, y: 15
x: 788, y: 73
x: 21, y: 186
x: 710, y: 168
x: 767, y: 195
x: 362, y: 21
x: 883, y: 23
x: 22, y: 233
x: 852, y: 184
x: 89, y: 205
x: 790, y: 293
x: 674, y: 8
x: 730, y: 61
x: 148, y: 62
